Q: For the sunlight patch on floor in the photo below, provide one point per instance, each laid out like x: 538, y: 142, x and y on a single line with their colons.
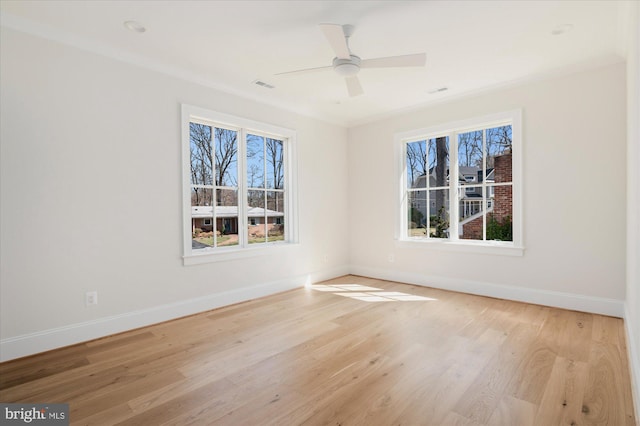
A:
x: 369, y: 294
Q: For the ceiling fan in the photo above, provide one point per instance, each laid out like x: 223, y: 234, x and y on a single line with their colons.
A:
x: 348, y: 65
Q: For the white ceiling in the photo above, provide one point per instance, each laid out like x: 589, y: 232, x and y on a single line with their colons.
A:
x: 471, y: 46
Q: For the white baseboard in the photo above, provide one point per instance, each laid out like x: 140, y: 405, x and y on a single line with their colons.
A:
x: 634, y: 360
x: 576, y: 302
x: 33, y: 343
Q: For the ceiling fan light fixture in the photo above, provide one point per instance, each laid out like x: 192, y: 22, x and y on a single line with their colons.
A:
x: 347, y: 70
x: 347, y: 67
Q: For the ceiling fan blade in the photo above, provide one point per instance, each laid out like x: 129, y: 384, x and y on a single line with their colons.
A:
x: 353, y: 86
x: 415, y: 60
x: 336, y: 38
x: 305, y: 71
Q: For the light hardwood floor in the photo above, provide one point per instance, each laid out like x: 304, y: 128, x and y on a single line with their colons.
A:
x: 344, y: 354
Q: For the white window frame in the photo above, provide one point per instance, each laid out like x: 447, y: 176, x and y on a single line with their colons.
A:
x: 451, y: 130
x: 243, y: 126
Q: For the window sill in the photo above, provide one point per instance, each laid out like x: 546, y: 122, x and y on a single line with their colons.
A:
x: 233, y: 253
x: 480, y: 247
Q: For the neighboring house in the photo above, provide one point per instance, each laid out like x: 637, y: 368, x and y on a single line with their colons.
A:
x: 471, y: 200
x: 470, y: 197
x: 227, y: 218
x: 499, y: 199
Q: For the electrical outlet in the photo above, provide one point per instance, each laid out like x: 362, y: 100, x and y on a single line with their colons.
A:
x: 91, y: 298
x: 392, y: 258
x: 325, y: 258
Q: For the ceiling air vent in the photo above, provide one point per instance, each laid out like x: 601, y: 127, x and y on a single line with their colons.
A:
x: 438, y: 90
x: 263, y: 84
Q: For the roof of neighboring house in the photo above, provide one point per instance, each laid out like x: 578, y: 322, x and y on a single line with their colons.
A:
x: 468, y: 171
x: 475, y: 172
x: 231, y: 211
x: 463, y: 171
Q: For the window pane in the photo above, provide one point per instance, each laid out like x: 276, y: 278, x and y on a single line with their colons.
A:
x: 439, y: 213
x: 417, y: 164
x: 275, y: 164
x: 275, y: 216
x: 438, y: 162
x: 470, y: 150
x: 470, y: 201
x: 226, y: 214
x: 201, y: 218
x: 200, y: 147
x: 471, y: 219
x: 417, y: 209
x: 201, y: 197
x: 256, y: 216
x: 226, y: 157
x: 255, y: 161
x: 499, y: 140
x: 470, y: 174
x: 498, y: 144
x: 500, y: 213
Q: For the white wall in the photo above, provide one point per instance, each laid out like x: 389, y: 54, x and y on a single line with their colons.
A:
x: 91, y: 199
x: 632, y: 316
x: 574, y: 197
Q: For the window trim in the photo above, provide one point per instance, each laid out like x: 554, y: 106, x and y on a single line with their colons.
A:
x: 514, y: 248
x: 243, y: 126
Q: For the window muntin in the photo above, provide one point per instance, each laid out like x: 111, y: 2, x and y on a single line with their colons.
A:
x: 239, y: 183
x: 479, y: 203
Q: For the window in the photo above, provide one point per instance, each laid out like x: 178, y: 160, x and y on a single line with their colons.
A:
x: 238, y: 184
x: 461, y: 183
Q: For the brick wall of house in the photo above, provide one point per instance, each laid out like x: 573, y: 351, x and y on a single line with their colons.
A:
x: 502, y: 201
x: 503, y: 195
x: 472, y: 230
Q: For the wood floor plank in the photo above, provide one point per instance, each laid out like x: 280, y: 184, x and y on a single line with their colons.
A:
x: 600, y: 404
x: 484, y: 395
x: 349, y: 351
x: 120, y: 392
x: 455, y: 419
x: 112, y: 416
x: 432, y: 402
x: 529, y: 379
x: 212, y: 394
x: 561, y: 402
x: 513, y: 411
